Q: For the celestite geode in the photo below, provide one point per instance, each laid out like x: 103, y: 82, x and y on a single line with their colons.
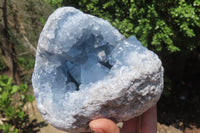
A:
x: 85, y: 69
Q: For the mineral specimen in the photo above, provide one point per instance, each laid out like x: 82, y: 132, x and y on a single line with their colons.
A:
x: 85, y: 69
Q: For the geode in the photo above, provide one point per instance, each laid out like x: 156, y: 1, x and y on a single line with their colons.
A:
x: 85, y: 69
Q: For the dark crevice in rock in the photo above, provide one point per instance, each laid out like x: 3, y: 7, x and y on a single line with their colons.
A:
x: 73, y: 80
x: 106, y: 64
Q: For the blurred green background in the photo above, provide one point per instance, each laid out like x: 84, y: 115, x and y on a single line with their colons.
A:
x: 170, y: 28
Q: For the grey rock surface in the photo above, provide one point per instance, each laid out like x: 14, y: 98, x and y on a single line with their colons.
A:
x: 85, y: 69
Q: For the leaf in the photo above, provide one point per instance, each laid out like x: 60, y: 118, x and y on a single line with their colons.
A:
x: 14, y: 89
x: 196, y: 3
x: 173, y: 48
x: 108, y: 4
x: 22, y: 97
x: 24, y: 87
x: 9, y: 81
x: 4, y: 96
x: 3, y: 84
x: 42, y: 20
x: 9, y: 112
x: 30, y: 98
x: 21, y: 114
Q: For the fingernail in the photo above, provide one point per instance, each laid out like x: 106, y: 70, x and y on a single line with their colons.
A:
x: 98, y: 130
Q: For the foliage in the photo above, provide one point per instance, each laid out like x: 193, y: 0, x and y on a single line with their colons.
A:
x: 171, y: 25
x: 12, y: 101
x: 2, y: 64
x: 55, y: 3
x: 26, y: 62
x: 42, y: 20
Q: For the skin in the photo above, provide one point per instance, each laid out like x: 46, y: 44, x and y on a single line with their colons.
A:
x: 146, y: 123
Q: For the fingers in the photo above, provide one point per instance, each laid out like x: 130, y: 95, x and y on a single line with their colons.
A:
x: 148, y: 124
x: 131, y: 126
x: 104, y: 126
x: 149, y: 121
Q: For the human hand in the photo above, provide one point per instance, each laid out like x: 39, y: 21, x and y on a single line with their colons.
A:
x: 146, y: 123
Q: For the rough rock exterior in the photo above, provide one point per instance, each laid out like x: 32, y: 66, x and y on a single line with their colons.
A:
x: 85, y: 69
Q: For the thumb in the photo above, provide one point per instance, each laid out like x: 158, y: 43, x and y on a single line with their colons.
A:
x: 103, y: 125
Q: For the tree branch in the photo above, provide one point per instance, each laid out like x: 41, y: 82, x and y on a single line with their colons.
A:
x: 8, y: 47
x: 24, y: 53
x: 30, y: 46
x: 5, y: 19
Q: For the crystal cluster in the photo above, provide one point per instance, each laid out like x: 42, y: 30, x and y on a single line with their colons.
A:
x: 85, y: 69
